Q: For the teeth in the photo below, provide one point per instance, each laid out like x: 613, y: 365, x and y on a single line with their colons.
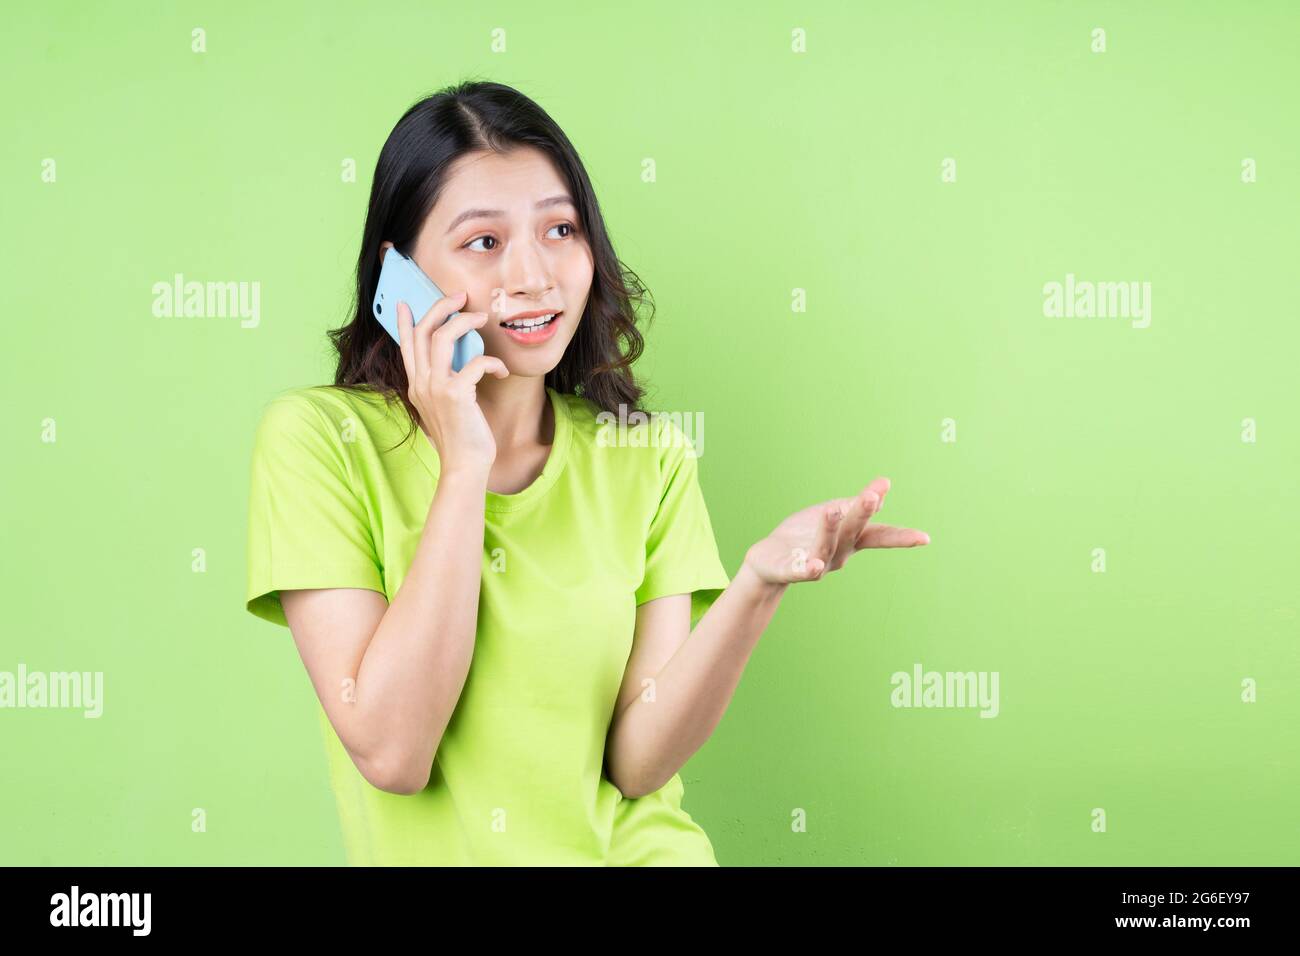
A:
x: 533, y: 323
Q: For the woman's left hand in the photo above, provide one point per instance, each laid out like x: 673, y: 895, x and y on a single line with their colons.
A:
x: 822, y: 537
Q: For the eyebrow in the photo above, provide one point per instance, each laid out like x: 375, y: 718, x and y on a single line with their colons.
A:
x: 489, y: 213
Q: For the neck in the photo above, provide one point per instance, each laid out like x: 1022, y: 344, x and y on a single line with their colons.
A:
x: 518, y: 410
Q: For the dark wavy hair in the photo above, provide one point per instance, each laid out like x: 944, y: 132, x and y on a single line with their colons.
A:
x: 470, y: 116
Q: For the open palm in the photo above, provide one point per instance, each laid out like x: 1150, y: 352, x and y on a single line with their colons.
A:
x: 822, y: 537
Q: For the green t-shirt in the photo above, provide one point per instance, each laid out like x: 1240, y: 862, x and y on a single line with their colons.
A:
x: 614, y: 520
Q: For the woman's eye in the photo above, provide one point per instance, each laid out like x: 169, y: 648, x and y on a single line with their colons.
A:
x: 566, y: 225
x: 480, y: 238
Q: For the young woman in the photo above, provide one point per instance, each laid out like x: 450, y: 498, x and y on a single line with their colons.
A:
x: 501, y: 610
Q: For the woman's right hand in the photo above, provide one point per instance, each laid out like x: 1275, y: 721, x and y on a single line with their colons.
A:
x: 448, y: 401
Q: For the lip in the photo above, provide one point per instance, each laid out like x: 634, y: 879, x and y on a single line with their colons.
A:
x: 529, y: 315
x: 537, y: 336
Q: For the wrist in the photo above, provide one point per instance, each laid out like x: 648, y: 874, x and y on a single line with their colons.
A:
x: 750, y: 580
x: 469, y: 479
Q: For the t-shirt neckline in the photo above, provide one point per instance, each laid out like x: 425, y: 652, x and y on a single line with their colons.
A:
x: 497, y: 502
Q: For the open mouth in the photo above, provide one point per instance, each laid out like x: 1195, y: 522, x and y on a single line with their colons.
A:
x: 530, y: 325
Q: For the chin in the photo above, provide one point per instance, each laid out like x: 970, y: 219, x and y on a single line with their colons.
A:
x: 531, y: 366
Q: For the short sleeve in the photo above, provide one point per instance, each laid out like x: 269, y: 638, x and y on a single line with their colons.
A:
x: 681, y: 552
x: 307, y: 527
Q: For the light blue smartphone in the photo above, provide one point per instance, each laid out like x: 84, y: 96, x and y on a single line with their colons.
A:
x: 401, y: 280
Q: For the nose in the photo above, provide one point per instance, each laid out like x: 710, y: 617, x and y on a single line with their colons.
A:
x: 526, y: 271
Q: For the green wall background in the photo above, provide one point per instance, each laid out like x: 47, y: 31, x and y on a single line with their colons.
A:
x: 775, y: 171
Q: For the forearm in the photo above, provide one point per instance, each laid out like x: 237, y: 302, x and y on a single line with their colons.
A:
x: 650, y: 740
x: 415, y: 666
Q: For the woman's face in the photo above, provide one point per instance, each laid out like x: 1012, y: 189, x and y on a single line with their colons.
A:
x: 505, y: 229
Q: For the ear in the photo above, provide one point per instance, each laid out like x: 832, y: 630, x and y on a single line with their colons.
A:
x: 384, y: 247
